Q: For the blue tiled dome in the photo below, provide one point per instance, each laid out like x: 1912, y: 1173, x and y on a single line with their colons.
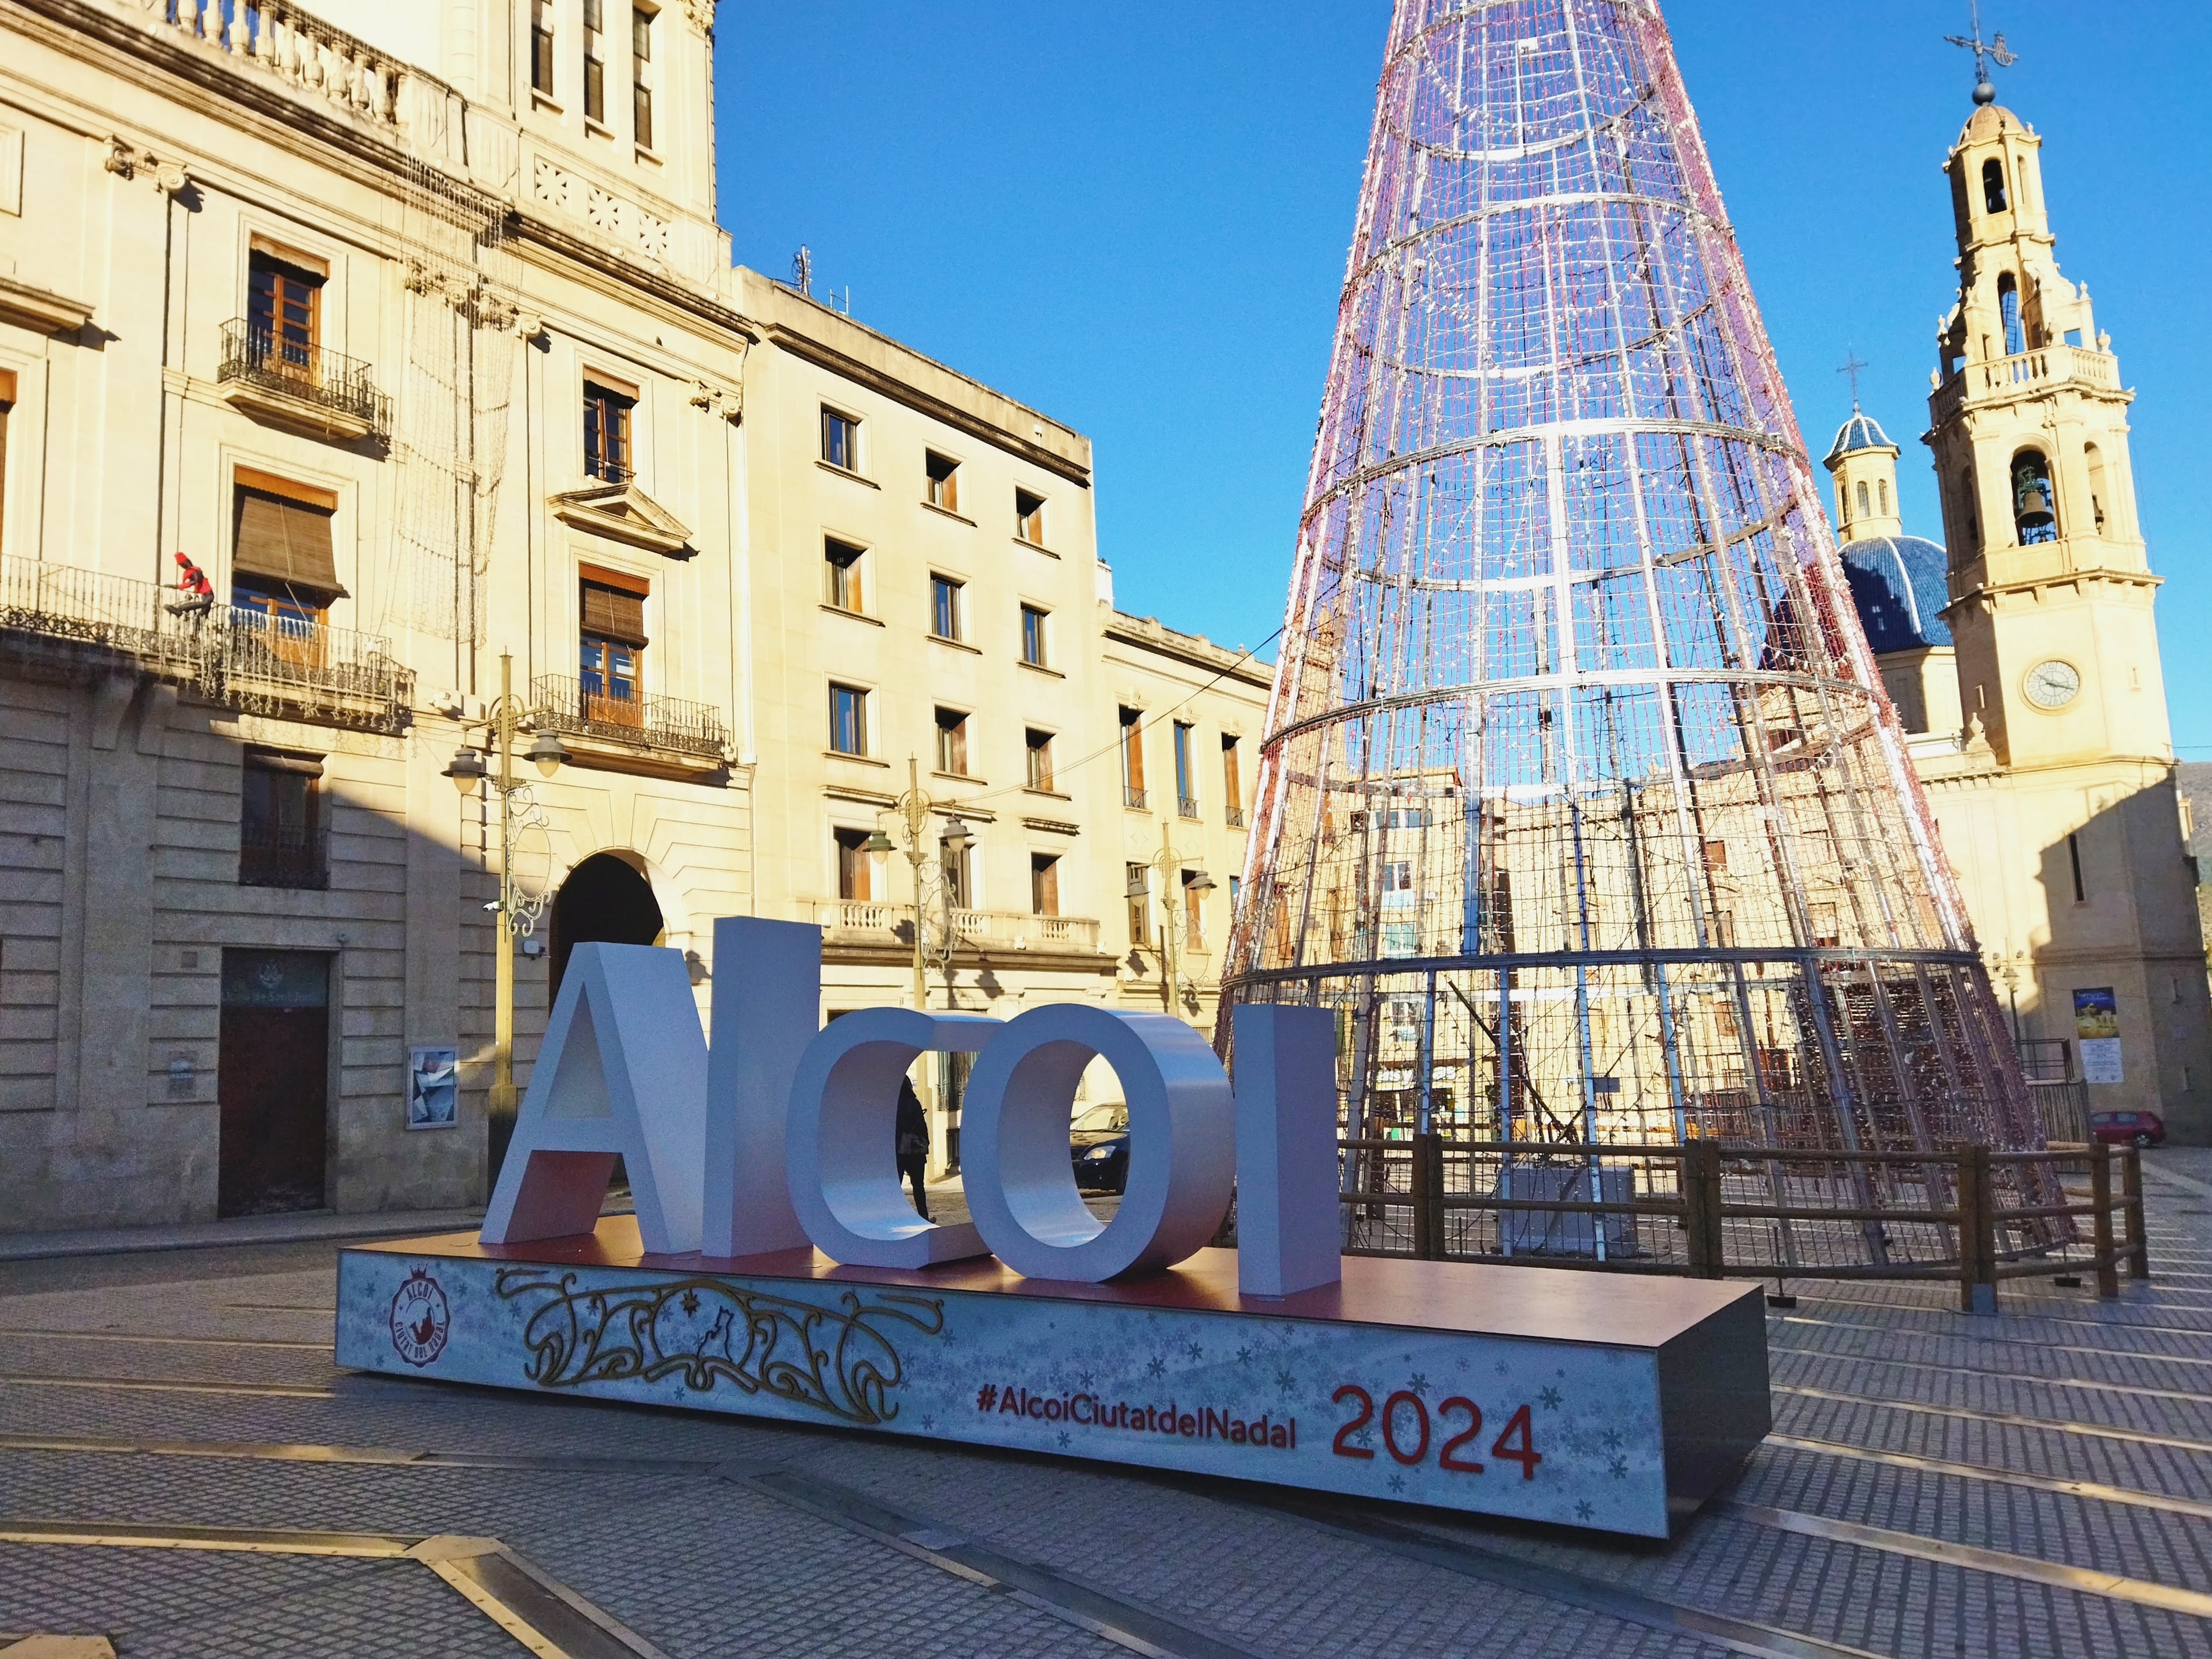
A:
x: 1860, y: 432
x: 1898, y: 585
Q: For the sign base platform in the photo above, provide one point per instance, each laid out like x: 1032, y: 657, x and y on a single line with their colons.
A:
x: 1614, y: 1402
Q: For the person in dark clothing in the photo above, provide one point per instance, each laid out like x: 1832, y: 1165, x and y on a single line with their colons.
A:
x: 912, y: 1145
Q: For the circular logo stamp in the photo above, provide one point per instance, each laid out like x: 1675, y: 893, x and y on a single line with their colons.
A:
x: 420, y: 1319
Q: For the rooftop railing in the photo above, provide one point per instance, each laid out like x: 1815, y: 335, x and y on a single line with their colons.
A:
x: 568, y: 705
x: 326, y: 381
x: 61, y: 619
x: 865, y: 921
x: 2050, y: 365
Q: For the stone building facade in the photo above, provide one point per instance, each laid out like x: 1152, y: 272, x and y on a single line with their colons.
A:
x: 352, y: 359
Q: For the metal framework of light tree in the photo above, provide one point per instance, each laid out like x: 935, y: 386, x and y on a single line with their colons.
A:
x: 1580, y: 799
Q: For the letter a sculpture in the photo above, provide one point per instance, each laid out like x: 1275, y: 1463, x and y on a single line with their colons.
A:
x: 1581, y: 803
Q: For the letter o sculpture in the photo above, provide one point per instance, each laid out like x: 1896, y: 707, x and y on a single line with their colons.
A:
x: 1014, y: 1143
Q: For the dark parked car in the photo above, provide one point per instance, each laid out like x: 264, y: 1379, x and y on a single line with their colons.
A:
x: 2127, y: 1128
x: 1099, y: 1144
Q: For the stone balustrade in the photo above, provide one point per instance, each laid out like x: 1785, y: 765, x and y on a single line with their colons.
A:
x: 304, y: 51
x: 2026, y: 371
x: 865, y: 921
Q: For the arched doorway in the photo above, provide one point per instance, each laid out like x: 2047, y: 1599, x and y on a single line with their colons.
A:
x: 605, y: 898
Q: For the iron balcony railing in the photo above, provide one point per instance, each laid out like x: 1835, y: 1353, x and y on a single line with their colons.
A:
x: 298, y: 858
x: 1235, y: 815
x: 1186, y: 806
x: 57, y: 619
x: 1133, y: 796
x: 309, y: 374
x: 569, y: 705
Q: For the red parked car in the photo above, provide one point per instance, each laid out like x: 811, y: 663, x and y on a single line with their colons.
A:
x: 2127, y: 1128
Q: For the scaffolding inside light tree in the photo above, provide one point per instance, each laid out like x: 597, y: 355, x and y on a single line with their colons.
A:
x: 1580, y: 800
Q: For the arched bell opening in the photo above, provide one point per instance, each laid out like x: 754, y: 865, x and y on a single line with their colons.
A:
x: 2034, y: 505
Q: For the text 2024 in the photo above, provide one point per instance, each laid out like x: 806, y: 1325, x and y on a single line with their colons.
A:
x: 1405, y: 1418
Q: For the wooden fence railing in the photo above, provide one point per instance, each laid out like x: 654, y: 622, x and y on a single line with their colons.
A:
x: 1713, y: 1209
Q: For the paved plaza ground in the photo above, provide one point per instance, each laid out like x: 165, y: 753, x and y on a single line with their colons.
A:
x: 183, y: 1472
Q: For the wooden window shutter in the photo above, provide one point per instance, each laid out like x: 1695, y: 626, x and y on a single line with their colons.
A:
x: 284, y: 540
x: 610, y: 613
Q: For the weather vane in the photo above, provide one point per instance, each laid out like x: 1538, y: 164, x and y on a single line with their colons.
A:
x: 1986, y: 53
x: 1853, y: 368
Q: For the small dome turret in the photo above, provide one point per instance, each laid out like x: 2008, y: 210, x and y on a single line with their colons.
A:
x: 1861, y: 432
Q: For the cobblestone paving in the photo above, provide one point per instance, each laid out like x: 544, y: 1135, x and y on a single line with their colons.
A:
x: 2065, y: 1430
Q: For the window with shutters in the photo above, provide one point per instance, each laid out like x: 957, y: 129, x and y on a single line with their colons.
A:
x: 854, y: 864
x: 1186, y: 785
x: 1137, y: 888
x: 607, y: 433
x: 944, y: 481
x: 612, y: 642
x: 1133, y: 758
x: 541, y: 47
x: 1039, y: 747
x: 1033, y: 637
x: 283, y: 565
x: 280, y: 833
x: 1232, y: 783
x: 1044, y: 883
x: 1194, y: 912
x: 283, y: 308
x: 640, y: 60
x: 952, y: 742
x: 1029, y: 518
x: 595, y: 63
x: 841, y: 574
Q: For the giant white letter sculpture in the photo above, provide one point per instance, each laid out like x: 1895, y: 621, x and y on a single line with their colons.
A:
x: 767, y: 1001
x: 1286, y: 1161
x: 1014, y: 1148
x: 623, y: 1071
x: 840, y: 1144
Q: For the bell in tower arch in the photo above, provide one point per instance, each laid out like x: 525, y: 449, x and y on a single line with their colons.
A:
x: 2033, y: 517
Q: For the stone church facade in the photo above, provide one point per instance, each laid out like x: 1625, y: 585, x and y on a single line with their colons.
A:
x: 2024, y: 661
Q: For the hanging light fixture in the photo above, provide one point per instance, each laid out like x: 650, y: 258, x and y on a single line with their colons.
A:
x: 466, y: 769
x: 549, y: 751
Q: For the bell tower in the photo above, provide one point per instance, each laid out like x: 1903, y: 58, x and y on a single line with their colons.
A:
x: 2050, y: 587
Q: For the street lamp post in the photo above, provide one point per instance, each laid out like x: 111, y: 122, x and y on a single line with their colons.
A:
x: 913, y: 810
x: 1168, y: 863
x: 516, y: 912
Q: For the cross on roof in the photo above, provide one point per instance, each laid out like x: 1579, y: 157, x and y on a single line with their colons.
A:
x: 1985, y: 53
x: 1853, y: 368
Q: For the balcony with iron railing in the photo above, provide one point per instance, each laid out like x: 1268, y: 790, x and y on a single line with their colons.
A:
x: 1235, y: 817
x: 269, y: 374
x: 1186, y: 806
x: 61, y: 621
x: 1133, y: 796
x: 569, y: 706
x: 274, y: 856
x: 864, y: 922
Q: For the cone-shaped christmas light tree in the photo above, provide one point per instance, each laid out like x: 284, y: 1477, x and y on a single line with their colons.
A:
x: 1580, y: 799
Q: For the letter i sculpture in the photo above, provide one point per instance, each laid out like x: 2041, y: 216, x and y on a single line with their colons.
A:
x: 1581, y: 804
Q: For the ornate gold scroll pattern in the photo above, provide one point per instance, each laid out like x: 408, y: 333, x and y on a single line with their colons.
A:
x: 840, y: 1361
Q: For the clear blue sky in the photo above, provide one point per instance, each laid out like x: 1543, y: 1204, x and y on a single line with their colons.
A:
x: 1133, y: 215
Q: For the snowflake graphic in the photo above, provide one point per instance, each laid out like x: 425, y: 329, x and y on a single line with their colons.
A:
x: 1618, y: 1468
x: 1612, y: 1438
x: 1158, y: 1367
x: 1502, y: 1368
x: 690, y: 1302
x: 928, y: 1423
x: 1584, y: 1510
x: 1088, y: 1381
x: 1243, y: 1356
x: 1063, y: 1437
x: 1397, y: 1483
x: 1285, y: 1382
x: 1549, y: 1399
x: 1195, y: 1351
x: 1421, y: 1382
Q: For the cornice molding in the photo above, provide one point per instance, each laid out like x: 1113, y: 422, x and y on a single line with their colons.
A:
x: 41, y: 309
x: 623, y: 512
x: 824, y: 355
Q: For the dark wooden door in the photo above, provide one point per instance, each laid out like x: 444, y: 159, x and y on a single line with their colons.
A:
x: 272, y: 1092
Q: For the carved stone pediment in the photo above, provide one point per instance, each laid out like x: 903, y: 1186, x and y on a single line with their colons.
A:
x: 623, y: 512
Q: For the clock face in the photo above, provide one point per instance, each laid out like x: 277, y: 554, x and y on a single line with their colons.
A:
x: 2052, y: 684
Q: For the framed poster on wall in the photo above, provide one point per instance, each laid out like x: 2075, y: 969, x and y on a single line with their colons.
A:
x: 432, y: 1080
x: 2097, y: 1026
